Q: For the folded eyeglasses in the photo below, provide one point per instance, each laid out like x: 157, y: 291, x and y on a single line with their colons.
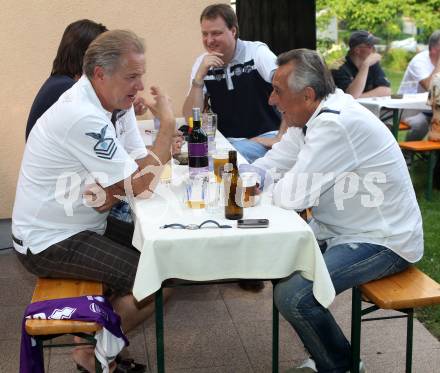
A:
x: 196, y: 226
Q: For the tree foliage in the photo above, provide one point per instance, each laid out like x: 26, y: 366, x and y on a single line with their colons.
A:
x: 383, y: 17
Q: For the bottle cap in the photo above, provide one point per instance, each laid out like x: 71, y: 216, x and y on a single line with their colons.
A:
x: 196, y: 113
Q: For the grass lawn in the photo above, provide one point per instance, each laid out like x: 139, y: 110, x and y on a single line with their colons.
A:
x: 430, y: 263
x: 395, y: 77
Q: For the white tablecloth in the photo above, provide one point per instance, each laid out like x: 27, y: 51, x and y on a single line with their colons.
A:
x: 288, y: 245
x: 409, y: 101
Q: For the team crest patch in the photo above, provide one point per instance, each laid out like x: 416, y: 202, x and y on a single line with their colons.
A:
x: 105, y: 147
x: 64, y: 313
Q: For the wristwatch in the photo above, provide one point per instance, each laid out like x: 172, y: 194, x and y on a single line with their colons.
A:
x: 197, y: 84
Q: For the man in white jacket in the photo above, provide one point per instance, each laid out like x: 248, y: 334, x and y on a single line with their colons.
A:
x: 340, y: 160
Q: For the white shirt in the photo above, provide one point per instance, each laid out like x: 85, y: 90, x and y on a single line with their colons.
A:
x: 362, y: 191
x: 419, y: 68
x: 72, y: 145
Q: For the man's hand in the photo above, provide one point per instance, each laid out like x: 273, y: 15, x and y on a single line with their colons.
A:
x: 101, y: 199
x: 213, y: 59
x: 160, y: 105
x: 140, y: 107
x: 372, y: 59
x: 177, y: 143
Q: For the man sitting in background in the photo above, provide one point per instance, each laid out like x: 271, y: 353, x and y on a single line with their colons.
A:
x: 237, y: 75
x: 361, y: 74
x: 417, y: 79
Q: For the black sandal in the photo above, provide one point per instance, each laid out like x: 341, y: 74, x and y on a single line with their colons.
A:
x: 128, y: 366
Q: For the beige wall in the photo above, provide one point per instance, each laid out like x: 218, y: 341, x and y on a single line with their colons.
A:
x: 30, y: 32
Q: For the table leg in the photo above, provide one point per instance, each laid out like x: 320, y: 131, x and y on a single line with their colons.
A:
x: 160, y: 353
x: 275, y: 333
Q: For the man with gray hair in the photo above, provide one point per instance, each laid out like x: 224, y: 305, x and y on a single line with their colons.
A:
x: 341, y: 161
x: 85, y: 150
x: 417, y: 78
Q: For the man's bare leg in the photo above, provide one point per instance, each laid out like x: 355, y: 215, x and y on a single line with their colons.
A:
x: 132, y: 314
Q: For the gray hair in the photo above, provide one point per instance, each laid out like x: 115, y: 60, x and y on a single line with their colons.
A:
x: 108, y: 49
x: 434, y: 39
x: 310, y: 70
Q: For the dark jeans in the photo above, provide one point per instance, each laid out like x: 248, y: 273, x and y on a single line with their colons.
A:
x: 349, y: 265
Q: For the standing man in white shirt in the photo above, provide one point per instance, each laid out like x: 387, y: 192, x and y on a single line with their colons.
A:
x: 340, y: 160
x: 417, y: 79
x: 84, y: 150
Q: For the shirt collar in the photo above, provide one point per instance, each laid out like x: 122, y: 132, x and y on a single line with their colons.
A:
x: 323, y: 105
x: 88, y: 87
x: 239, y: 52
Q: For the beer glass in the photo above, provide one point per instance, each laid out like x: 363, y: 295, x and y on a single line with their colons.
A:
x: 220, y: 158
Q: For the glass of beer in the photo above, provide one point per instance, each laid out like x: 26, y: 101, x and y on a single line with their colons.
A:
x: 220, y: 158
x: 248, y: 184
x: 196, y: 192
x: 167, y: 172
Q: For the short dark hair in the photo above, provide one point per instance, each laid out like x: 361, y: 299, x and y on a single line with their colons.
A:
x: 310, y: 71
x: 224, y: 11
x: 74, y: 43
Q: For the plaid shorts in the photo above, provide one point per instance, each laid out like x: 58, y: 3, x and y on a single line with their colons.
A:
x: 109, y: 259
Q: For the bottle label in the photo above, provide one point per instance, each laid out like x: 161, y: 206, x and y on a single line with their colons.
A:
x: 194, y: 171
x: 198, y: 149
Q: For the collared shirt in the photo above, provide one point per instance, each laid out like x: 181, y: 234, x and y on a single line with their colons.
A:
x: 350, y: 169
x: 419, y: 68
x: 348, y: 71
x: 239, y: 92
x: 73, y: 145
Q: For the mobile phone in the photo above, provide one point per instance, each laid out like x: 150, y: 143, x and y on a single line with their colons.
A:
x: 397, y: 96
x: 252, y: 223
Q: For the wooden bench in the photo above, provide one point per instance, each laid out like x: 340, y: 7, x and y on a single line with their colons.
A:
x: 402, y: 292
x: 404, y: 127
x: 428, y: 147
x: 46, y: 289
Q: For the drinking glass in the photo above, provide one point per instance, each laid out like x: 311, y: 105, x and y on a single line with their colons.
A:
x: 220, y: 157
x: 196, y: 192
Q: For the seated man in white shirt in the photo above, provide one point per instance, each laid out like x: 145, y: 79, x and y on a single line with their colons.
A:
x: 340, y: 160
x: 83, y: 151
x: 417, y: 79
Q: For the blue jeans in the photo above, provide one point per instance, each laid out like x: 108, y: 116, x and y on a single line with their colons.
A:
x: 249, y: 149
x: 122, y: 212
x: 349, y: 265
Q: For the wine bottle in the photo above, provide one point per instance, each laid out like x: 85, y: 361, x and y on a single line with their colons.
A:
x: 197, y: 147
x: 233, y: 207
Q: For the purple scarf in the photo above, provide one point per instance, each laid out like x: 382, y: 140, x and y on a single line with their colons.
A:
x: 88, y: 308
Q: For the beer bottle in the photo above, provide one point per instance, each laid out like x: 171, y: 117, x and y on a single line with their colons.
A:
x: 197, y: 147
x: 233, y: 210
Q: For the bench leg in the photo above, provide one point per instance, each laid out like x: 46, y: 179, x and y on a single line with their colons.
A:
x: 356, y: 308
x: 160, y: 353
x: 431, y: 165
x: 98, y: 367
x: 39, y: 342
x: 275, y: 333
x: 409, y: 340
x: 396, y: 122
